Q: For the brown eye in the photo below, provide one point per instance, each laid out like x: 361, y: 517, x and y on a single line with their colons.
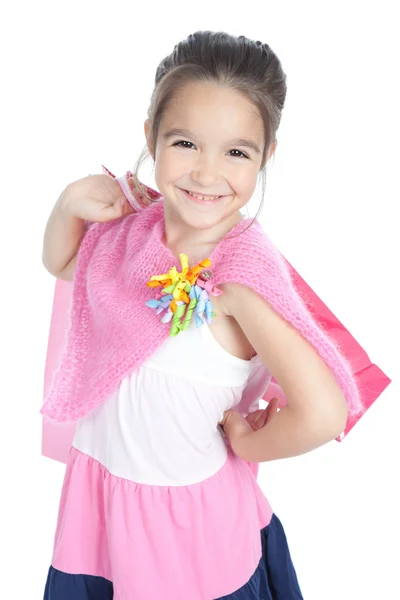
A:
x: 240, y: 152
x: 179, y: 144
x: 183, y: 142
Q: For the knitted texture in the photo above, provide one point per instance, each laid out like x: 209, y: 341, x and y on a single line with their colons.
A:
x: 112, y: 332
x: 252, y: 260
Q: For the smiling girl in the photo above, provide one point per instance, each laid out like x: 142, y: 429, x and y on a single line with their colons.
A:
x: 182, y: 313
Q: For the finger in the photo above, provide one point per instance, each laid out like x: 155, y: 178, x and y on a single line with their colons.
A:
x: 274, y: 403
x: 253, y: 418
x: 270, y: 410
x: 265, y: 416
x: 113, y: 211
x: 236, y: 426
x: 119, y: 208
x: 127, y: 208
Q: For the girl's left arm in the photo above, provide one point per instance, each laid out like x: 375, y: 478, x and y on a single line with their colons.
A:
x: 316, y: 412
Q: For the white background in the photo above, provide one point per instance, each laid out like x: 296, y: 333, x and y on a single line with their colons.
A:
x: 77, y: 79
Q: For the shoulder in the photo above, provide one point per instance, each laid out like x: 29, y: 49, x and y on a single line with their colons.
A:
x: 118, y: 238
x: 242, y: 298
x: 253, y: 273
x: 250, y: 258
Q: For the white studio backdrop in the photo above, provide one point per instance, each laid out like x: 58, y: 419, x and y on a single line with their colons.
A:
x: 77, y: 79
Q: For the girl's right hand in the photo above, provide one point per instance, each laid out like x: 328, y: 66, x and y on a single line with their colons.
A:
x: 95, y: 198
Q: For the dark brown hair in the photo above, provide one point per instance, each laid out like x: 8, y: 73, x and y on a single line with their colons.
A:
x: 249, y: 67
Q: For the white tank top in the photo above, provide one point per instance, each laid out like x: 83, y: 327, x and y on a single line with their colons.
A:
x: 160, y: 427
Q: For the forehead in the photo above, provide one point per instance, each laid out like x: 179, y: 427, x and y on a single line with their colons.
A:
x: 213, y: 111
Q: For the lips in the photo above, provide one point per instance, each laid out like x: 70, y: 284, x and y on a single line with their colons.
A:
x: 199, y: 193
x: 205, y: 201
x: 205, y: 196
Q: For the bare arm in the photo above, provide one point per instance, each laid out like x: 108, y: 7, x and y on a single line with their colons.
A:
x: 316, y: 411
x: 62, y: 238
x: 95, y: 198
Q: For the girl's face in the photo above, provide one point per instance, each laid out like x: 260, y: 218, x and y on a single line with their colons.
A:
x: 210, y: 143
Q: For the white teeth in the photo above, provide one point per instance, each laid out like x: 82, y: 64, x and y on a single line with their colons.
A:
x: 202, y: 197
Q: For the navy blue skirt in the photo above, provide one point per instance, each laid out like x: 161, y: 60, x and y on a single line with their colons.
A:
x: 274, y: 579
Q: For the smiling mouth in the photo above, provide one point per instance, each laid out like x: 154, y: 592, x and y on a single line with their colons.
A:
x: 203, y: 197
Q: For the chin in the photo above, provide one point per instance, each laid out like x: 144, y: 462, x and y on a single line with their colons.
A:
x: 201, y: 223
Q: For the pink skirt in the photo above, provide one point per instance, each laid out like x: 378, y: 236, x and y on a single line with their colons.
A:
x: 173, y: 542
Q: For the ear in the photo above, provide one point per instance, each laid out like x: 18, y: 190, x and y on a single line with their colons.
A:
x: 147, y: 134
x: 271, y: 151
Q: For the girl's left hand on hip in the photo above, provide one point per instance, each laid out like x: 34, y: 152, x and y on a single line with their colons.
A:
x: 235, y: 426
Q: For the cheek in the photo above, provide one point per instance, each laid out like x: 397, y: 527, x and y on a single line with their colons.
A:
x: 244, y: 181
x: 169, y: 168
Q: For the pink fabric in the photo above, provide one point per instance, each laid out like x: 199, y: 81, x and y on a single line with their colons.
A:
x: 57, y: 437
x: 150, y: 541
x: 112, y: 330
x: 123, y: 182
x: 372, y: 381
x: 71, y: 388
x: 134, y: 197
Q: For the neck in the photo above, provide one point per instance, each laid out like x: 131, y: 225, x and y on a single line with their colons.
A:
x: 197, y: 244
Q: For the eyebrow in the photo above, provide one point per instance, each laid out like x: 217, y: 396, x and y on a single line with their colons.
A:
x: 189, y: 134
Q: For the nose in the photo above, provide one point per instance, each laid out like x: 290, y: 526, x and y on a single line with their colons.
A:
x: 205, y: 172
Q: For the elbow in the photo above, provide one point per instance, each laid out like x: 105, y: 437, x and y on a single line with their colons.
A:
x: 331, y: 422
x: 339, y: 416
x: 337, y: 423
x: 337, y: 427
x: 340, y: 426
